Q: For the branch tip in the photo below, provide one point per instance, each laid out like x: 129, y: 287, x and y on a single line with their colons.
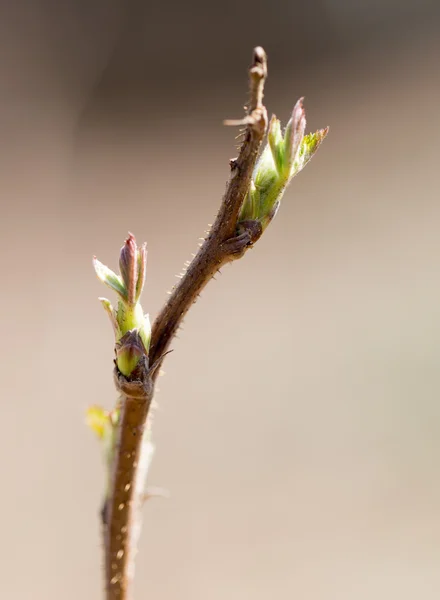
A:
x: 260, y: 59
x: 257, y: 75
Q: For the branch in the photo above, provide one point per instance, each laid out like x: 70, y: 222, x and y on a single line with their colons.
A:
x: 251, y: 200
x: 224, y: 242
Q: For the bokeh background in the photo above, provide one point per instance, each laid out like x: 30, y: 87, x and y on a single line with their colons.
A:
x: 298, y: 428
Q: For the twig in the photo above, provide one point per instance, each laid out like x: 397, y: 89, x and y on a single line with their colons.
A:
x: 251, y: 200
x: 223, y: 243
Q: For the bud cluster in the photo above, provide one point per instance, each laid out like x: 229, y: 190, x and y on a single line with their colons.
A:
x: 282, y: 159
x: 128, y: 317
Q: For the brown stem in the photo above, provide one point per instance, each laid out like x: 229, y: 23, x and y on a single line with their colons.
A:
x: 122, y: 510
x: 224, y: 243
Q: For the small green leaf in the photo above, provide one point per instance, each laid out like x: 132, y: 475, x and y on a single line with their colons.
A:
x: 110, y: 278
x: 111, y: 313
x: 98, y: 420
x: 276, y: 143
x: 265, y: 173
x: 309, y: 146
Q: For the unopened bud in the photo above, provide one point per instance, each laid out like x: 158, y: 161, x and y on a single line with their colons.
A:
x: 128, y: 316
x: 128, y: 265
x: 129, y: 350
x: 294, y: 134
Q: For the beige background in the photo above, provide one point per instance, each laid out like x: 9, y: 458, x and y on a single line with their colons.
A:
x: 298, y: 428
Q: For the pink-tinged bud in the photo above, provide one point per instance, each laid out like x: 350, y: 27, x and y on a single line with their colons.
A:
x: 127, y: 316
x: 142, y: 268
x: 128, y: 265
x: 294, y: 133
x: 281, y: 159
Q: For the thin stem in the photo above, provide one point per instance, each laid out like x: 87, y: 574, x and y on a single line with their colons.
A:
x: 223, y: 243
x: 122, y: 513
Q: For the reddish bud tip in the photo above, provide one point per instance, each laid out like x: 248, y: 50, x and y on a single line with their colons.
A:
x: 128, y: 265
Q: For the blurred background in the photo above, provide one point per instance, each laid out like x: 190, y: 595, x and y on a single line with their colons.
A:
x: 298, y: 428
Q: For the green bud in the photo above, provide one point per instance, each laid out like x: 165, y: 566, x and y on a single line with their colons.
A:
x: 276, y: 143
x: 110, y: 278
x: 281, y: 159
x: 251, y: 206
x: 128, y: 317
x: 129, y: 350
